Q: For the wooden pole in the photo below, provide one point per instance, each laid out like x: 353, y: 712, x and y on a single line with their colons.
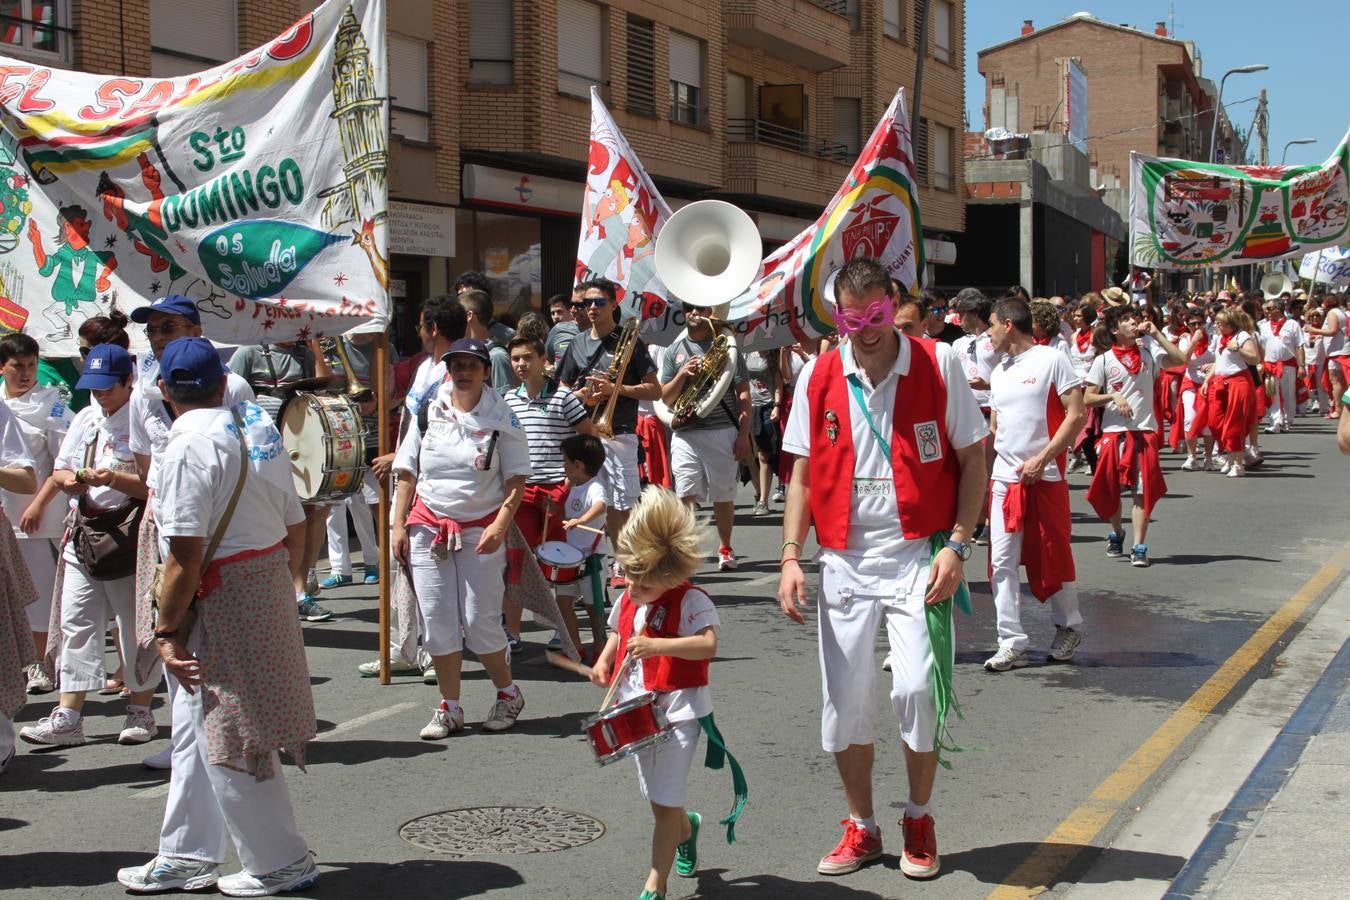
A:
x: 382, y: 522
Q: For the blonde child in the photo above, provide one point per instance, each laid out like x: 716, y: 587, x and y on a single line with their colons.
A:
x: 663, y: 633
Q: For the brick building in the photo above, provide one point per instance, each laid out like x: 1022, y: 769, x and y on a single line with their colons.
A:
x: 761, y: 102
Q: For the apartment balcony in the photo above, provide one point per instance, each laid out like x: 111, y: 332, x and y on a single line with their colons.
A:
x: 769, y: 160
x: 810, y: 33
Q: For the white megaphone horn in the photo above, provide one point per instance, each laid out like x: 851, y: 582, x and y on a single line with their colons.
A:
x: 707, y: 254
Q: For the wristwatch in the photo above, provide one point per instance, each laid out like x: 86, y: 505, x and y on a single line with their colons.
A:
x: 960, y: 549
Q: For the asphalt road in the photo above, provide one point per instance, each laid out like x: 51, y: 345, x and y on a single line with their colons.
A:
x: 1226, y: 554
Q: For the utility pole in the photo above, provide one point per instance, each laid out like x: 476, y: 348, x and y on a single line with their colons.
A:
x: 1263, y: 128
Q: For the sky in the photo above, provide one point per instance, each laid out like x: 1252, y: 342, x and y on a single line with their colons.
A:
x: 1307, y: 92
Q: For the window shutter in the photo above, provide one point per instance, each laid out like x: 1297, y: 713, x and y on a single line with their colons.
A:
x: 942, y: 157
x: 847, y: 126
x: 205, y: 28
x: 921, y: 151
x: 580, y: 47
x: 942, y: 30
x: 641, y: 57
x: 408, y: 86
x: 491, y: 42
x: 686, y: 60
x: 894, y: 26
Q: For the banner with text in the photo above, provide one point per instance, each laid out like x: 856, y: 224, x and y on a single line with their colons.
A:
x: 1191, y: 215
x: 258, y: 188
x: 1331, y: 266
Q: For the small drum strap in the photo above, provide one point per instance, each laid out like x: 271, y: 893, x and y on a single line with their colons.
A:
x: 271, y: 369
x: 717, y: 756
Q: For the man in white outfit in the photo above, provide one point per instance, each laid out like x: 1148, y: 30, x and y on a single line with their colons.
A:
x: 1282, y: 340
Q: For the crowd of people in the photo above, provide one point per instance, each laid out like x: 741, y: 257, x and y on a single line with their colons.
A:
x: 163, y: 513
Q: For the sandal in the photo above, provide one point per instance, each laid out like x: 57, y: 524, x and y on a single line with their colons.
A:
x: 113, y: 685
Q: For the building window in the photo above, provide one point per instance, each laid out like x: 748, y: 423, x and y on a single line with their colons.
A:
x: 921, y: 151
x: 187, y: 38
x: 686, y: 79
x: 491, y: 42
x: 847, y: 128
x: 409, y: 112
x: 740, y: 121
x: 893, y: 24
x: 943, y: 138
x: 36, y: 30
x: 581, y: 47
x: 641, y: 56
x: 942, y: 30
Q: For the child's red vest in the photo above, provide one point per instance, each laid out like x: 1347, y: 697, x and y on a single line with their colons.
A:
x: 661, y: 673
x: 925, y: 466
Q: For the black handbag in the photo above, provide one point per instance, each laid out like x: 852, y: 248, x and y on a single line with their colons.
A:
x: 105, y: 542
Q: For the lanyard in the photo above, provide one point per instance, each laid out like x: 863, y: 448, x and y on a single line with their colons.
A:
x: 855, y: 385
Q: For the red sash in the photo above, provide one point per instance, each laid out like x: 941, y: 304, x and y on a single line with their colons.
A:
x: 1124, y: 459
x: 1041, y: 510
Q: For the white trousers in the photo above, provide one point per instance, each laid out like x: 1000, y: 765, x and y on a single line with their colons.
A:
x: 1188, y: 414
x: 460, y: 596
x: 208, y: 803
x: 1283, y: 405
x: 39, y: 555
x: 86, y: 606
x: 1005, y: 554
x: 848, y: 627
x: 339, y: 547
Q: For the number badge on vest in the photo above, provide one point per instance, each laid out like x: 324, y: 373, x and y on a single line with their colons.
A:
x: 930, y: 447
x: 832, y: 427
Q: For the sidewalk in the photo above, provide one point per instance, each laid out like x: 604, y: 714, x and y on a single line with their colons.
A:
x: 1283, y: 834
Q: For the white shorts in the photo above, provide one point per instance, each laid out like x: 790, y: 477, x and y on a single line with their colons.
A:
x: 460, y: 596
x: 39, y: 555
x: 622, y: 487
x: 703, y: 463
x: 663, y: 770
x: 848, y: 626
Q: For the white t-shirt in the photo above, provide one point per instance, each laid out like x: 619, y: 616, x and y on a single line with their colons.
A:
x: 42, y: 418
x: 113, y: 450
x: 1228, y: 361
x: 1196, y: 361
x: 1081, y: 359
x: 150, y: 419
x: 696, y: 613
x: 446, y: 459
x: 579, y: 499
x: 978, y: 359
x: 1337, y: 345
x: 1022, y: 391
x: 1314, y: 350
x: 875, y: 538
x: 430, y: 373
x: 199, y: 469
x: 1284, y: 346
x: 13, y: 455
x: 1110, y: 376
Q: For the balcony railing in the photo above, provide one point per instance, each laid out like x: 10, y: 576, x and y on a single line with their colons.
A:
x: 838, y: 7
x: 757, y: 131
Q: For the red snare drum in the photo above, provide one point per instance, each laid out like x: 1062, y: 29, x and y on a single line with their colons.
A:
x: 560, y: 562
x: 627, y: 728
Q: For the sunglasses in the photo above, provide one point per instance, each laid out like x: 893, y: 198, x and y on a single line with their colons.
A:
x: 937, y: 310
x: 880, y: 312
x: 595, y: 301
x: 84, y: 351
x: 577, y: 305
x: 690, y: 309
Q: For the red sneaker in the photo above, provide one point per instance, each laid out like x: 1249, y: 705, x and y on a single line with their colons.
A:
x: 856, y: 848
x: 920, y: 859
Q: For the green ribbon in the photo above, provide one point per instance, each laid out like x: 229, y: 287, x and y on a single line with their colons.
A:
x: 942, y: 638
x: 716, y: 757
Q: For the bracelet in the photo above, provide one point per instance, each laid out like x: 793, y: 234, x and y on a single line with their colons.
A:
x: 788, y: 559
x: 787, y: 544
x: 165, y: 635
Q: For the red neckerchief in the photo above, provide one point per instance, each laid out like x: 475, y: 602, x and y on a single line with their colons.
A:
x: 1224, y: 339
x: 1083, y: 339
x: 1201, y: 347
x: 1130, y: 358
x: 1042, y: 342
x: 1276, y: 325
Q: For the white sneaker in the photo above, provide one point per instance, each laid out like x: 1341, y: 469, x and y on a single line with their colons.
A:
x: 1224, y: 465
x: 298, y: 875
x: 138, y: 727
x: 38, y: 682
x: 1237, y: 470
x: 760, y: 509
x: 55, y: 730
x: 1075, y: 465
x: 1189, y: 465
x: 443, y: 723
x: 161, y: 761
x: 779, y: 496
x: 168, y: 873
x: 504, y: 712
x: 1006, y: 658
x: 1210, y: 464
x: 1253, y: 457
x: 1271, y: 429
x: 1065, y: 643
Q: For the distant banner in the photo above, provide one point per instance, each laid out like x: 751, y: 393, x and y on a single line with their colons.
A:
x: 258, y: 188
x: 621, y: 214
x: 1190, y: 215
x: 875, y: 213
x: 1330, y: 266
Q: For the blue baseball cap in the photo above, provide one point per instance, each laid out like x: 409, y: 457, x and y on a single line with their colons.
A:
x: 468, y: 347
x: 105, y: 367
x: 172, y: 305
x: 191, y: 362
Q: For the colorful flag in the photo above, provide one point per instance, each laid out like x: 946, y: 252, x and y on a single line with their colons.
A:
x: 258, y: 188
x: 1329, y: 266
x: 1191, y: 215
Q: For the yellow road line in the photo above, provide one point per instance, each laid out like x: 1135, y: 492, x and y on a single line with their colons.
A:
x: 1054, y: 854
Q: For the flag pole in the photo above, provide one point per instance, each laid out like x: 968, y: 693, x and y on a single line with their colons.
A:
x: 382, y: 442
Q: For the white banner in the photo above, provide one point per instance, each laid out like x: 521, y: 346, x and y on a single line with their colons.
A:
x: 258, y: 188
x: 1329, y: 266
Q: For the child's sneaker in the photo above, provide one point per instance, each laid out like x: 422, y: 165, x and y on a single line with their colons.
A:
x: 1115, y: 544
x: 1139, y: 556
x: 686, y: 854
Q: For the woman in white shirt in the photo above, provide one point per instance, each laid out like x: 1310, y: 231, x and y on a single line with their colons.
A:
x: 1199, y: 358
x: 462, y: 472
x: 97, y: 471
x: 1230, y: 390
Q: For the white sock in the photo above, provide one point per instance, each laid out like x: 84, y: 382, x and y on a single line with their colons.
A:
x: 72, y: 716
x: 868, y: 824
x: 451, y: 706
x: 511, y: 691
x: 300, y: 597
x: 915, y: 811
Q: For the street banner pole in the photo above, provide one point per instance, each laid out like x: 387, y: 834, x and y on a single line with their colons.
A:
x: 382, y: 441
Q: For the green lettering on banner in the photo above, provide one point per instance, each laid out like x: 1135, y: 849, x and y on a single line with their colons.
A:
x: 292, y: 184
x: 244, y: 196
x: 208, y: 203
x: 267, y: 187
x: 260, y: 258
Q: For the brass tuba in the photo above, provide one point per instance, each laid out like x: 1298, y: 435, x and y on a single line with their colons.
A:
x: 705, y: 390
x: 602, y: 420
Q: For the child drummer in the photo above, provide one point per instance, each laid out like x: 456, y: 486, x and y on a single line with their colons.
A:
x: 665, y: 629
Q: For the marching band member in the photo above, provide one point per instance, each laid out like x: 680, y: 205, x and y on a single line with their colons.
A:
x: 878, y: 390
x: 17, y: 591
x: 1231, y: 395
x: 1121, y: 381
x: 704, y: 452
x: 1282, y: 339
x: 232, y: 533
x: 585, y: 369
x: 42, y: 418
x: 1037, y: 412
x: 461, y: 479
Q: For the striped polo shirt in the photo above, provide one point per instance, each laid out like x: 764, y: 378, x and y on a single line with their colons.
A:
x: 547, y: 419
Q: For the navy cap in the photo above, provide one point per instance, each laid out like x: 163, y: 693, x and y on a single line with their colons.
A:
x: 468, y: 347
x: 172, y: 305
x: 191, y: 362
x: 105, y: 367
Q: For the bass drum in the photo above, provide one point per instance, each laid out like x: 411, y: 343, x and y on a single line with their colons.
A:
x: 323, y: 436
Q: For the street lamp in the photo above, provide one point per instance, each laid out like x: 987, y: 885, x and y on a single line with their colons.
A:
x: 1218, y: 106
x: 1292, y: 143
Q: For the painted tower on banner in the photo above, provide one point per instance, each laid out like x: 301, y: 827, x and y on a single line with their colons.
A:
x: 361, y: 130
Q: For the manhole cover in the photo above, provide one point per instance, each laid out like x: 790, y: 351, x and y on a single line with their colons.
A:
x: 494, y: 830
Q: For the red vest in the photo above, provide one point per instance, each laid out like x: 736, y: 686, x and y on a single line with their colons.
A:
x: 661, y: 673
x: 921, y: 453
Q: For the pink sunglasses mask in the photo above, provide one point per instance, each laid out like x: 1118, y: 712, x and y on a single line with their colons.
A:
x: 879, y: 312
